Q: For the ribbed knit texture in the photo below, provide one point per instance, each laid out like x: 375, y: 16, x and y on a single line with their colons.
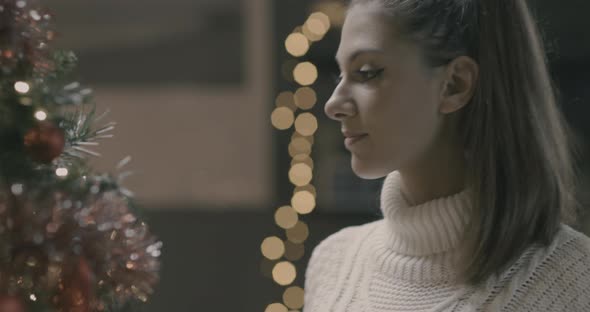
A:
x: 404, y: 262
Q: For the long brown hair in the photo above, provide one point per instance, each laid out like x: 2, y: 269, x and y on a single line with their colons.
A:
x: 521, y: 164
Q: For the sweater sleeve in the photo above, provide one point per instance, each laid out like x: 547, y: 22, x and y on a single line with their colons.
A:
x: 324, y: 266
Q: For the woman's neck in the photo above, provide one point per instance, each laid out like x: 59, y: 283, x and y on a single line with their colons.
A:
x: 434, y: 226
x: 440, y: 173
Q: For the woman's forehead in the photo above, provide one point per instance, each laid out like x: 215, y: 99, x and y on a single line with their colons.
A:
x: 366, y: 29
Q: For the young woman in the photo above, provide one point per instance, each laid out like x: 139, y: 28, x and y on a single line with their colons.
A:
x: 452, y: 102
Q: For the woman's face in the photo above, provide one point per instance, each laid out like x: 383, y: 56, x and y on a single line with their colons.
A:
x: 386, y: 92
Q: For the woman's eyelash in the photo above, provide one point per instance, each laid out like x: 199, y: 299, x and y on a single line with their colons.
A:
x: 369, y: 74
x: 365, y: 75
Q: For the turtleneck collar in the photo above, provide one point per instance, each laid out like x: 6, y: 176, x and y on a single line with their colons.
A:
x: 429, y: 228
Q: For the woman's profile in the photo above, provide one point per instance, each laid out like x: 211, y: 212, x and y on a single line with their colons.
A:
x: 452, y: 102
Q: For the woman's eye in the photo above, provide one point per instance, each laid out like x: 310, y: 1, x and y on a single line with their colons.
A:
x: 366, y: 75
x: 361, y: 75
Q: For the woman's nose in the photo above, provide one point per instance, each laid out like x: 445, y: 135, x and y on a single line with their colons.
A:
x: 340, y: 105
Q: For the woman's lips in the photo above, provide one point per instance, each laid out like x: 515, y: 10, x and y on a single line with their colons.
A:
x: 351, y: 140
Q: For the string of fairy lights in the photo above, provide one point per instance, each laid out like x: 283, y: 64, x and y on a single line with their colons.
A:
x: 292, y: 111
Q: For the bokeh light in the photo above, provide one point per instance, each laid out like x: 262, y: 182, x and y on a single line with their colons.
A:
x: 309, y: 188
x: 284, y: 273
x: 297, y: 44
x: 293, y: 297
x: 300, y: 174
x: 302, y: 158
x: 305, y: 98
x: 293, y: 251
x: 40, y: 115
x: 306, y: 124
x: 299, y: 233
x: 322, y: 18
x: 286, y: 217
x: 61, y: 172
x: 312, y: 36
x: 305, y: 73
x: 303, y: 202
x: 22, y: 87
x: 16, y: 189
x: 276, y: 307
x: 286, y: 99
x: 272, y: 248
x: 335, y: 10
x: 296, y: 134
x: 318, y: 24
x: 282, y: 118
x: 299, y: 146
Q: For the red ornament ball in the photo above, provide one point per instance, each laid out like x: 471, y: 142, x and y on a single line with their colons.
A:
x: 44, y: 142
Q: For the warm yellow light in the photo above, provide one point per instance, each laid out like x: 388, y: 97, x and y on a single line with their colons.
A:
x: 284, y: 273
x: 282, y: 118
x: 294, y: 252
x: 286, y: 99
x: 316, y: 26
x: 272, y: 248
x: 305, y: 98
x: 40, y: 115
x: 300, y: 174
x: 293, y: 297
x: 309, y: 34
x: 61, y: 172
x: 286, y: 217
x: 276, y: 307
x: 21, y: 87
x: 296, y: 134
x: 297, y: 44
x: 309, y: 188
x: 299, y: 146
x: 305, y: 73
x: 323, y: 18
x: 306, y: 124
x: 299, y: 233
x: 303, y: 202
x: 335, y: 10
x: 302, y: 158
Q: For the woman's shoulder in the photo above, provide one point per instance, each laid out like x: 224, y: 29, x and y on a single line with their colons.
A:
x: 329, y: 263
x: 338, y: 243
x: 567, y: 233
x: 549, y: 278
x: 330, y: 258
x: 557, y: 277
x: 570, y: 250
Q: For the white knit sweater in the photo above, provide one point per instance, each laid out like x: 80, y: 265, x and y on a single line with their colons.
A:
x: 402, y: 263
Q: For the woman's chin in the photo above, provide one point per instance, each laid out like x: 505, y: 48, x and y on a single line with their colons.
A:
x: 367, y: 170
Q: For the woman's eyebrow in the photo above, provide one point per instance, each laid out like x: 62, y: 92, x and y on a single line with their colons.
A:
x: 356, y: 53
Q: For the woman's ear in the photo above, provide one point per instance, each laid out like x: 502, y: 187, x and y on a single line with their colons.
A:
x: 459, y: 82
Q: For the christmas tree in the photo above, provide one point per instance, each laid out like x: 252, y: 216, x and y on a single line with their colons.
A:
x: 70, y: 239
